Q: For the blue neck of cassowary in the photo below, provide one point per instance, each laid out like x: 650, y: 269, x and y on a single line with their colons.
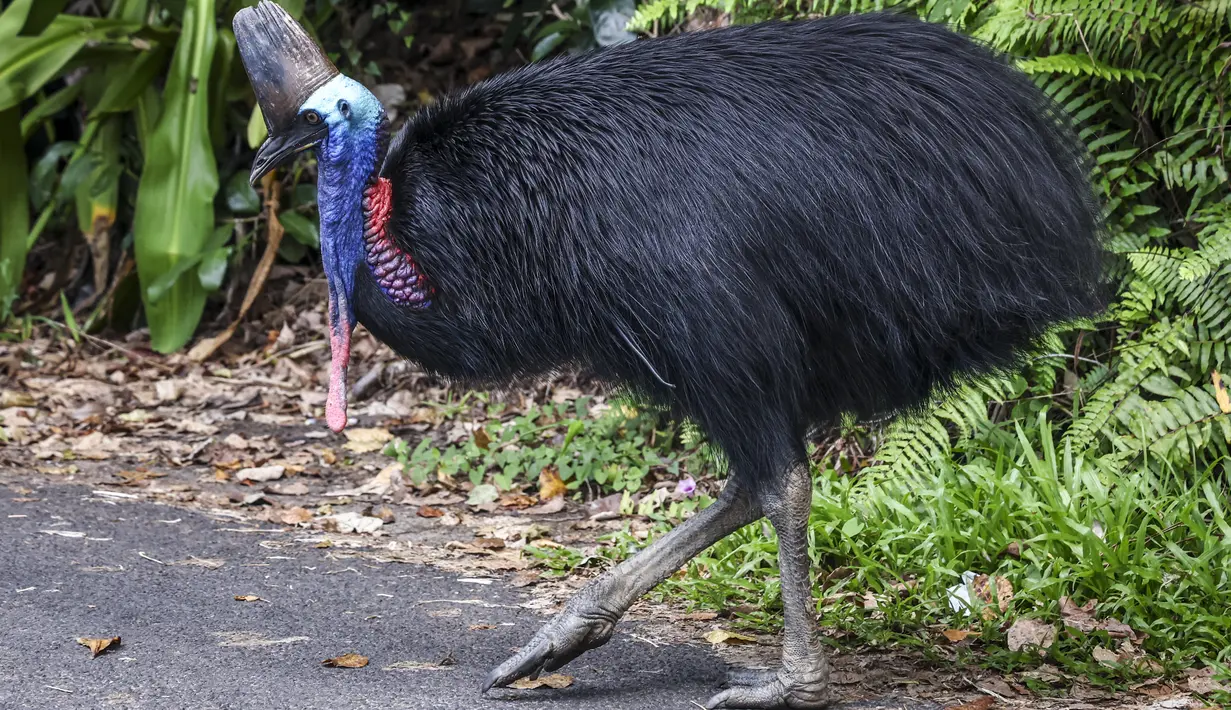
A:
x: 346, y: 167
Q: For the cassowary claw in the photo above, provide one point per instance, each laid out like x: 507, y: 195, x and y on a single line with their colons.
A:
x: 564, y: 638
x: 763, y: 689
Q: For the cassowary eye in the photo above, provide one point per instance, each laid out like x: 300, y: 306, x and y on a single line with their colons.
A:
x: 344, y: 108
x: 312, y: 117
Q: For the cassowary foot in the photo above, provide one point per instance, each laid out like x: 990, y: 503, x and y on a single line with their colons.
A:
x: 747, y: 677
x: 762, y: 689
x: 570, y: 634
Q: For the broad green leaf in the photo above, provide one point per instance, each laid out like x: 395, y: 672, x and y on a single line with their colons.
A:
x: 40, y: 16
x: 26, y: 63
x: 545, y: 46
x: 47, y: 108
x: 304, y: 194
x: 14, y: 209
x: 174, y: 214
x: 213, y: 268
x: 149, y: 109
x: 97, y: 195
x: 241, y: 198
x: 127, y: 81
x: 155, y: 291
x: 45, y: 173
x: 852, y: 527
x: 294, y: 8
x: 257, y: 132
x: 301, y: 229
x: 13, y: 19
x: 130, y: 10
x: 220, y: 76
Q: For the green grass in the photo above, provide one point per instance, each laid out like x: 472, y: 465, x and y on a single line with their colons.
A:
x: 1153, y: 547
x: 611, y: 447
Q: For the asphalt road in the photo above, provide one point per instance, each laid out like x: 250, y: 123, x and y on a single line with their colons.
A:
x: 186, y: 642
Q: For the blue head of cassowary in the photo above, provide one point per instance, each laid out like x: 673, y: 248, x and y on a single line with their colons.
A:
x: 760, y: 227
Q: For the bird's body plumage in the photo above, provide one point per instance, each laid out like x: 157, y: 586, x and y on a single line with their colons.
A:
x: 784, y: 221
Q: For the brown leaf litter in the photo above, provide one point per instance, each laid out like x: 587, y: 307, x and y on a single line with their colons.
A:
x: 98, y: 645
x: 346, y: 660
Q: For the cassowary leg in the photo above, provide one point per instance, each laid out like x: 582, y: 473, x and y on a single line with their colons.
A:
x: 589, y: 618
x: 804, y: 676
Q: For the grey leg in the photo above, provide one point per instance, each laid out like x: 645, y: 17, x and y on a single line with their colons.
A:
x: 804, y: 676
x: 589, y: 618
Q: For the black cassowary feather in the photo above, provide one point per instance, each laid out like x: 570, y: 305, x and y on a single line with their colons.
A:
x: 761, y: 226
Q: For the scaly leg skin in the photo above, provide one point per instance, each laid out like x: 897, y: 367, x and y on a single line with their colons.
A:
x: 589, y: 618
x: 804, y: 676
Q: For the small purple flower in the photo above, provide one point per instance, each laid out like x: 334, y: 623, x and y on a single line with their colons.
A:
x: 686, y: 487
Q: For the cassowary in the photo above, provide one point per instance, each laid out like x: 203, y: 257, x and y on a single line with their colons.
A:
x: 761, y: 227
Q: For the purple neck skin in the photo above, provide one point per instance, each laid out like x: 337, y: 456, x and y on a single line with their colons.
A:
x: 396, y: 272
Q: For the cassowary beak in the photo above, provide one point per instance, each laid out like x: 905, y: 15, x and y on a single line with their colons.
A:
x: 280, y: 148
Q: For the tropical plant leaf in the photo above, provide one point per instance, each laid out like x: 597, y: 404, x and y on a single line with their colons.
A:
x: 174, y: 215
x: 27, y: 63
x: 301, y: 229
x: 14, y: 208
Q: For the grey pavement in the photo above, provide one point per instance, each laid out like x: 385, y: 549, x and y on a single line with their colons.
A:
x: 188, y: 644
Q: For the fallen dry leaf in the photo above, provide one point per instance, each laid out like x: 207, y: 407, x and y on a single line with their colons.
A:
x: 1083, y: 619
x: 298, y: 488
x: 363, y: 440
x: 980, y: 703
x: 1220, y: 393
x: 206, y: 562
x: 97, y: 646
x: 132, y: 478
x: 488, y: 543
x: 955, y: 635
x: 555, y: 680
x: 1105, y: 657
x: 428, y: 511
x: 351, y: 522
x: 515, y: 500
x: 550, y: 484
x: 720, y: 636
x: 482, y: 627
x: 387, y: 481
x: 1025, y: 633
x: 291, y: 516
x: 346, y: 660
x: 9, y: 398
x: 554, y: 505
x: 418, y: 666
x: 260, y: 474
x: 996, y: 593
x: 1203, y: 682
x: 247, y: 598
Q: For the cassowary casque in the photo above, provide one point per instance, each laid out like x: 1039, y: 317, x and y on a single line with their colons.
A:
x: 761, y: 227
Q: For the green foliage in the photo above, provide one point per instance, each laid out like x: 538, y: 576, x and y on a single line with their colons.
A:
x: 174, y: 214
x: 606, y: 448
x: 162, y: 104
x: 1153, y: 547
